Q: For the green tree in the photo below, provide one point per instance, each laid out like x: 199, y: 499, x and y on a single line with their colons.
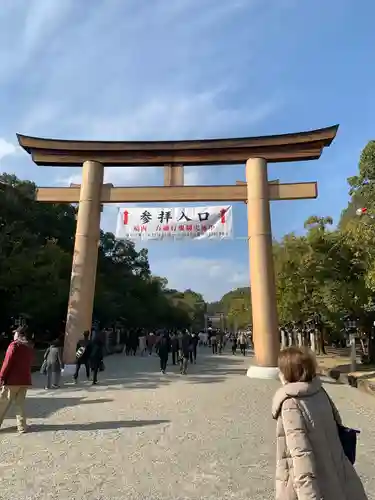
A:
x: 36, y: 247
x: 236, y: 307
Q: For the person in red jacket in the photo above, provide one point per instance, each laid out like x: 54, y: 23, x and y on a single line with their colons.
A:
x: 15, y: 378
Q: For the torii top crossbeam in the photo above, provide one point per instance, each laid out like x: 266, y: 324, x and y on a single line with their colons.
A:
x: 273, y: 148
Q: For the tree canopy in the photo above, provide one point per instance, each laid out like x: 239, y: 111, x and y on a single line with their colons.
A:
x: 236, y: 307
x: 36, y: 248
x: 327, y: 270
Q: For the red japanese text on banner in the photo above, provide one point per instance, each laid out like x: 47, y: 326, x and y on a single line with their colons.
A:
x: 154, y: 223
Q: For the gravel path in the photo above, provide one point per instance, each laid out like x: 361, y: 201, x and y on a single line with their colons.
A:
x: 142, y: 435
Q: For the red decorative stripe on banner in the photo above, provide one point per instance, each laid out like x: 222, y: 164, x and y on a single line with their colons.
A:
x: 223, y: 211
x: 126, y: 217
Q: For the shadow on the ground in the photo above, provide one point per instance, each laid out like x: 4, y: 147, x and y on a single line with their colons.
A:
x: 96, y: 426
x: 37, y: 407
x: 144, y: 373
x: 92, y: 426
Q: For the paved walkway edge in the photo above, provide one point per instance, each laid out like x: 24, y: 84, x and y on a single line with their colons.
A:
x: 344, y: 378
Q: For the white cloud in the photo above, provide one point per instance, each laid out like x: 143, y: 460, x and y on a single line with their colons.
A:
x: 211, y: 277
x: 192, y: 116
x: 42, y: 19
x: 6, y: 148
x: 138, y: 70
x: 28, y: 26
x: 173, y: 116
x: 156, y: 93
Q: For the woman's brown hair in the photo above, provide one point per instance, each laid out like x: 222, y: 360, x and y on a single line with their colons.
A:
x: 297, y: 364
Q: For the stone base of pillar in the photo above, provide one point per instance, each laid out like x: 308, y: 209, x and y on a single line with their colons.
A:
x: 263, y: 372
x: 69, y: 370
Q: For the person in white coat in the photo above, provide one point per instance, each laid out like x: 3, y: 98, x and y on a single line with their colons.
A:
x: 310, y: 460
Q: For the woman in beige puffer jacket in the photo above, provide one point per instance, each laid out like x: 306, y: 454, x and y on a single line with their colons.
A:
x: 310, y: 461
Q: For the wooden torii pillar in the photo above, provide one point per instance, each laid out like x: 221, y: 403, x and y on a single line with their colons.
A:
x: 257, y: 192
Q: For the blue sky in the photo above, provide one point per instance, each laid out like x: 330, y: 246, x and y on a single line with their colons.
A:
x: 185, y: 69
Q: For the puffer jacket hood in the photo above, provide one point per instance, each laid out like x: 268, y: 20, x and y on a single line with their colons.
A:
x: 294, y: 390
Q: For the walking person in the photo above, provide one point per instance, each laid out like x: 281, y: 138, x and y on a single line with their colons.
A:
x: 164, y: 347
x: 194, y: 347
x: 234, y: 345
x: 83, y: 353
x: 96, y: 358
x: 142, y: 344
x: 174, y: 348
x: 184, y: 352
x: 191, y: 348
x: 214, y: 343
x: 53, y: 365
x: 242, y: 342
x: 158, y: 337
x: 134, y: 341
x: 127, y: 344
x: 310, y: 461
x: 150, y: 342
x: 191, y: 352
x: 220, y: 338
x: 226, y: 339
x: 15, y: 378
x: 204, y: 337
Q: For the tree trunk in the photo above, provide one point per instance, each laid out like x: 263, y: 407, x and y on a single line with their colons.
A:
x: 322, y: 349
x: 290, y: 338
x: 300, y: 338
x: 313, y: 340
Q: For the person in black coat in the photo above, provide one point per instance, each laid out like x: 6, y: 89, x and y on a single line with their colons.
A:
x: 83, y: 354
x: 164, y: 346
x: 96, y: 357
x: 185, y: 347
x: 174, y: 348
x: 193, y: 348
x: 234, y: 344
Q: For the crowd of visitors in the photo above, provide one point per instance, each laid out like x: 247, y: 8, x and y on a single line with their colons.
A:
x: 183, y: 346
x: 15, y: 373
x: 315, y: 453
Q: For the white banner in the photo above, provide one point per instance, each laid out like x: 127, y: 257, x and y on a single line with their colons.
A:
x: 175, y: 222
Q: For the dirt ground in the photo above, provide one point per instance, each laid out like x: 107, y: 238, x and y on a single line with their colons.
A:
x: 339, y: 359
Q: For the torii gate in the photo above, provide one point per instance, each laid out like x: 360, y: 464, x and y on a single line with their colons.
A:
x: 173, y: 156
